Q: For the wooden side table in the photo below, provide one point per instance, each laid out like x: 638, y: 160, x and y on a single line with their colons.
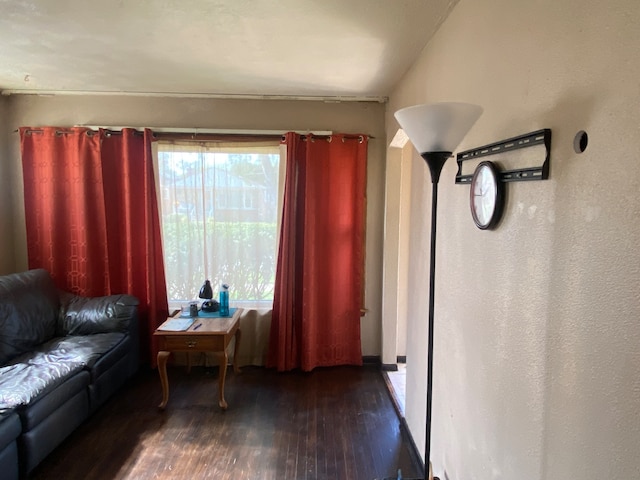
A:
x: 213, y: 335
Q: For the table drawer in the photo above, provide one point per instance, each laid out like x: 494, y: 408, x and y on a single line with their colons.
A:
x: 194, y: 342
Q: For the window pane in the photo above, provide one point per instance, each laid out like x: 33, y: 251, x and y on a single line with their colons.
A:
x: 219, y: 210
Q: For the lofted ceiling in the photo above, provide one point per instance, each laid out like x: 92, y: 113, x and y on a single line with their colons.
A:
x: 324, y: 49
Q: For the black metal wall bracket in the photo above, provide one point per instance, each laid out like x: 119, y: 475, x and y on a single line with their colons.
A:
x: 516, y: 175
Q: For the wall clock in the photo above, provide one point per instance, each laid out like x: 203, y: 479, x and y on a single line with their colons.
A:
x: 487, y: 196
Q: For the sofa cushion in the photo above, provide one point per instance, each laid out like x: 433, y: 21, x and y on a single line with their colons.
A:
x: 90, y: 315
x: 110, y: 358
x: 86, y: 349
x: 95, y: 352
x: 32, y: 375
x: 37, y: 442
x: 28, y: 312
x: 24, y: 383
x: 35, y: 413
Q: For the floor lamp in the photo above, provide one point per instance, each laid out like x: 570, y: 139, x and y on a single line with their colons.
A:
x: 435, y: 131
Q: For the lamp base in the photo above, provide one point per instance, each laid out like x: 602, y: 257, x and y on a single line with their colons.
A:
x: 210, y: 306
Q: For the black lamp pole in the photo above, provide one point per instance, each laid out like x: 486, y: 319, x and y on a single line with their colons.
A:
x: 432, y: 129
x: 435, y: 161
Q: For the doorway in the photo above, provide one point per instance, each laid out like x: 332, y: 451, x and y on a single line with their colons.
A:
x: 395, y: 266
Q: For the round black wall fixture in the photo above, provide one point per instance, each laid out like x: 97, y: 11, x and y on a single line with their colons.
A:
x: 580, y: 141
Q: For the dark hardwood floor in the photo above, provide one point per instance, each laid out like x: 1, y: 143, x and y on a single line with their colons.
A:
x: 333, y: 423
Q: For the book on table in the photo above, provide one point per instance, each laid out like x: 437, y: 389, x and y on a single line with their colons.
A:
x: 176, y: 324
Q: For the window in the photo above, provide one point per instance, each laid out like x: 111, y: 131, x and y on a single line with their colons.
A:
x: 219, y: 207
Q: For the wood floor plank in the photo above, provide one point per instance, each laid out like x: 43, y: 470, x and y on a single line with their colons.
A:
x: 332, y: 423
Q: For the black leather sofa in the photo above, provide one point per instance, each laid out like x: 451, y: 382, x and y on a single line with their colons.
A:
x: 61, y: 357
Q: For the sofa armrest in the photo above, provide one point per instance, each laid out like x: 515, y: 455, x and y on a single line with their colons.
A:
x: 89, y: 315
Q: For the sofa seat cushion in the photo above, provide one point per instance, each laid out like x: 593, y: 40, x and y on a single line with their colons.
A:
x: 25, y: 383
x: 86, y: 349
x: 34, y: 374
x: 119, y: 351
x: 73, y: 389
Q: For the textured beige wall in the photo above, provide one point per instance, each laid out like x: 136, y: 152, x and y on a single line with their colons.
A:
x: 365, y: 118
x: 6, y: 217
x: 537, y: 360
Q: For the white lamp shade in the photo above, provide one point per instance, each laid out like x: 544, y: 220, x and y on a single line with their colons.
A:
x: 438, y: 127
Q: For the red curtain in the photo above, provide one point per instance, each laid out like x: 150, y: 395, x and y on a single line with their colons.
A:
x: 320, y: 270
x: 92, y: 216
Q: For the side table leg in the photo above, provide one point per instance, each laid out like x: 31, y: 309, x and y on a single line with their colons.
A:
x: 224, y: 359
x: 236, y: 348
x: 164, y: 380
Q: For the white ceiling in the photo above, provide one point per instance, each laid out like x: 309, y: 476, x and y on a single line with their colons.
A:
x: 350, y: 49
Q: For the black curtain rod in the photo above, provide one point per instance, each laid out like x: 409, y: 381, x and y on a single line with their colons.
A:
x: 360, y: 138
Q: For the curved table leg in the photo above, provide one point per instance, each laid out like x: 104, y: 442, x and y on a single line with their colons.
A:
x: 224, y: 359
x: 236, y: 348
x: 164, y: 380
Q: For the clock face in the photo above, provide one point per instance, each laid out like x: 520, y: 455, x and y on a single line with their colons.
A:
x: 486, y: 196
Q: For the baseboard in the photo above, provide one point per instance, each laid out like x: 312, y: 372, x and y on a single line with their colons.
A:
x: 389, y: 367
x: 392, y: 395
x: 371, y: 360
x: 401, y: 359
x: 413, y: 450
x: 414, y: 453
